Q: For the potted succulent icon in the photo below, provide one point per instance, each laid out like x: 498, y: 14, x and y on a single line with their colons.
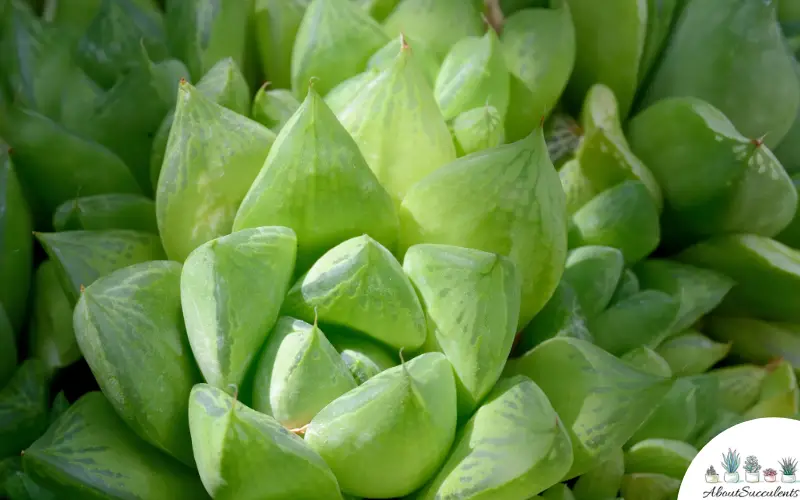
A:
x: 751, y: 469
x: 730, y: 464
x: 711, y: 475
x: 770, y: 475
x: 788, y: 468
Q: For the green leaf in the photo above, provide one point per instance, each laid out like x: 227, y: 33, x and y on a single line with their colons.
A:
x: 203, y: 32
x: 409, y: 413
x: 767, y: 274
x: 427, y: 62
x: 81, y: 167
x: 539, y: 50
x: 276, y: 25
x: 698, y: 291
x: 364, y: 358
x: 378, y: 9
x: 19, y: 486
x: 273, y: 108
x: 114, y: 40
x: 593, y: 272
x: 59, y: 407
x: 352, y: 285
x: 107, y: 211
x: 51, y: 337
x: 628, y: 285
x: 471, y: 301
x: 790, y: 235
x: 473, y: 74
x: 649, y: 487
x: 9, y: 467
x: 477, y: 129
x: 562, y: 316
x: 345, y: 92
x: 610, y: 39
x: 397, y: 124
x: 439, y: 24
x: 504, y: 200
x: 208, y: 145
x: 692, y: 353
x: 558, y: 492
x: 600, y: 399
x: 623, y: 217
x: 780, y: 395
x: 647, y: 360
x: 225, y: 85
x: 90, y: 453
x: 714, y: 179
x: 487, y: 462
x: 16, y: 245
x: 739, y: 386
x: 334, y: 42
x: 605, y: 157
x: 660, y: 17
x: 82, y: 257
x: 8, y: 350
x: 757, y: 89
x: 758, y: 341
x: 578, y: 189
x: 660, y: 456
x: 23, y: 407
x: 242, y: 453
x: 643, y: 319
x: 603, y: 480
x: 130, y: 330
x: 232, y: 288
x: 298, y: 374
x: 316, y: 182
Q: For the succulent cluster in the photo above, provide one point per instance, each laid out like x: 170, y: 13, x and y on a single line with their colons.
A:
x: 454, y: 249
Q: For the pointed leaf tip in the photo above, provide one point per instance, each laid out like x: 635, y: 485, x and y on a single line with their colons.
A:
x: 403, y: 42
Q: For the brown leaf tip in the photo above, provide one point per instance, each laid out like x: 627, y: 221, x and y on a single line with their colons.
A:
x: 300, y: 431
x: 403, y: 42
x: 541, y: 121
x: 10, y: 151
x: 265, y: 85
x: 757, y: 142
x: 183, y: 81
x: 83, y: 288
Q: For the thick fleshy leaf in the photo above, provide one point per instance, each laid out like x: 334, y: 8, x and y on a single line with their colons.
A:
x: 208, y: 146
x: 334, y: 289
x: 113, y: 42
x: 473, y: 74
x: 83, y: 256
x: 232, y: 289
x: 698, y: 291
x: 767, y: 274
x: 610, y: 39
x: 90, y: 453
x: 298, y: 374
x: 204, y: 32
x: 562, y: 316
x: 758, y: 341
x: 788, y: 150
x: 316, y: 182
x: 19, y: 486
x: 539, y: 49
x: 439, y: 24
x: 471, y: 301
x: 8, y: 350
x: 224, y: 84
x: 739, y: 386
x: 427, y: 62
x: 714, y: 179
x: 129, y: 328
x: 23, y: 407
x: 364, y: 357
x: 477, y: 129
x: 345, y: 92
x: 757, y: 89
x: 628, y: 285
x: 647, y: 486
x: 81, y: 167
x: 623, y: 217
x: 692, y: 353
x: 558, y: 492
x: 643, y: 319
x: 243, y: 454
x: 107, y: 211
x: 397, y: 124
x: 59, y: 407
x: 273, y: 108
x: 16, y: 244
x: 504, y: 200
x: 276, y: 25
x: 780, y: 395
x: 660, y: 17
x: 578, y: 189
x: 603, y: 480
x: 605, y: 157
x: 50, y: 335
x: 334, y: 42
x: 601, y: 399
x: 74, y: 16
x: 791, y: 234
x: 647, y: 360
x: 487, y: 462
x: 408, y: 414
x: 9, y: 467
x: 660, y: 456
x: 594, y: 272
